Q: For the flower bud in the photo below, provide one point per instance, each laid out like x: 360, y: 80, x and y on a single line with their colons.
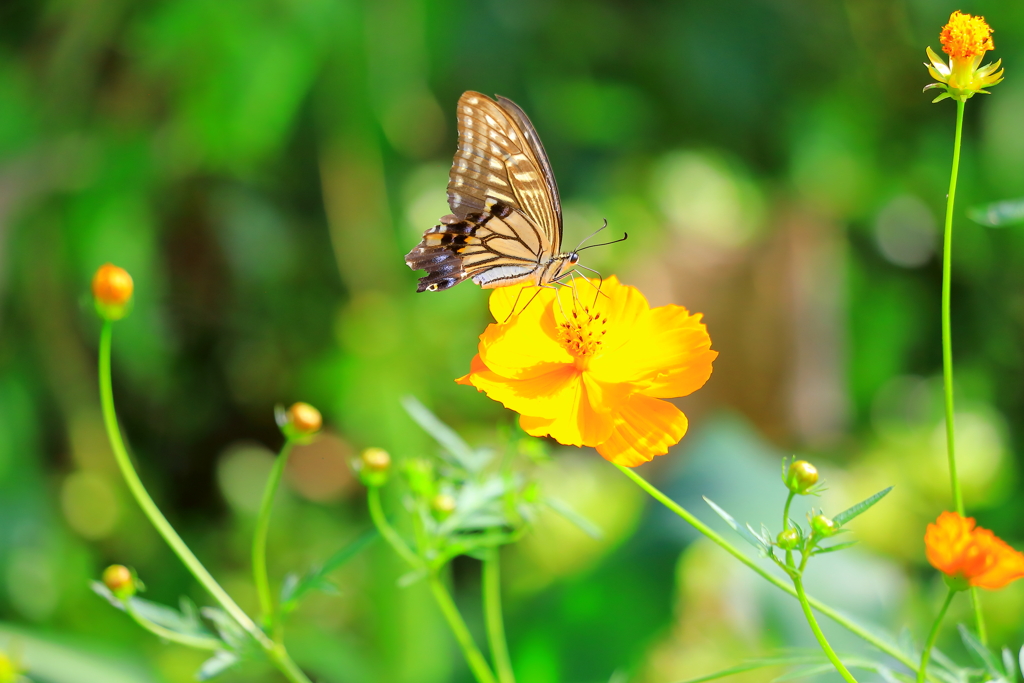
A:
x: 112, y: 291
x: 801, y: 476
x: 120, y: 580
x: 788, y: 539
x: 823, y: 526
x: 443, y: 505
x: 303, y: 419
x: 374, y: 465
x: 420, y: 474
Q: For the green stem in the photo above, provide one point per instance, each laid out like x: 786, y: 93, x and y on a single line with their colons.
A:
x: 947, y: 341
x: 493, y: 616
x: 798, y: 583
x: 197, y: 642
x: 474, y: 658
x: 947, y: 347
x: 717, y: 539
x: 386, y: 530
x: 275, y: 651
x: 785, y: 511
x: 926, y: 655
x: 268, y: 610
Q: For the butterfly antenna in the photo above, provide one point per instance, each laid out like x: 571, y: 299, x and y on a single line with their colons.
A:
x: 624, y: 237
x: 592, y: 234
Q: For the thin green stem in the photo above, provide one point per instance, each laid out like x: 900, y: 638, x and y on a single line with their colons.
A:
x: 798, y: 584
x: 947, y: 347
x: 717, y: 539
x: 785, y: 511
x: 197, y: 642
x: 474, y: 658
x: 268, y: 607
x: 386, y: 530
x: 274, y: 650
x: 947, y: 341
x: 926, y: 655
x: 493, y: 616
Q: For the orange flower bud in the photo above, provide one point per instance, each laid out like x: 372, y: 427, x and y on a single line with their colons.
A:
x: 120, y: 580
x: 304, y: 418
x: 374, y: 466
x: 969, y: 555
x: 112, y: 291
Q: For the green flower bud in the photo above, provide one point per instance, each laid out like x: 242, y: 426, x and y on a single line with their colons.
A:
x: 788, y: 539
x: 801, y: 476
x: 443, y: 505
x: 823, y: 526
x: 420, y: 474
x: 120, y: 580
x: 374, y: 466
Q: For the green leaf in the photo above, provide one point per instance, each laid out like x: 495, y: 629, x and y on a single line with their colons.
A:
x: 846, y: 515
x: 998, y: 214
x: 1009, y: 664
x: 228, y: 629
x: 567, y: 513
x: 761, y: 663
x: 834, y: 548
x: 294, y: 588
x: 748, y: 535
x: 216, y: 665
x: 981, y: 653
x: 444, y: 435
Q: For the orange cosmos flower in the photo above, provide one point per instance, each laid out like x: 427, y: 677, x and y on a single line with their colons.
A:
x: 593, y: 373
x: 971, y: 555
x: 965, y: 39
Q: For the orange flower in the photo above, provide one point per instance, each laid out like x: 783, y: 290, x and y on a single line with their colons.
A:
x: 965, y: 39
x: 593, y: 373
x: 970, y: 554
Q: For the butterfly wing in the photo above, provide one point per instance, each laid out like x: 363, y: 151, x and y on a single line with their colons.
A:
x: 506, y: 221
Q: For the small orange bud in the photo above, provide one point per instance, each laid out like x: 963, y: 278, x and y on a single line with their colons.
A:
x: 443, y: 505
x: 374, y: 465
x: 112, y: 291
x: 376, y: 459
x: 801, y: 476
x: 304, y: 418
x: 120, y: 580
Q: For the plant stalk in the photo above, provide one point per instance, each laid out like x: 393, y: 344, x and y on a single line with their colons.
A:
x: 718, y: 540
x: 926, y: 655
x: 798, y: 584
x: 268, y: 607
x: 493, y: 616
x: 474, y: 658
x: 275, y: 651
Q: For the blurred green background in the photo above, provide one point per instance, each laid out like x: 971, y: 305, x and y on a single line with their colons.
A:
x: 261, y: 167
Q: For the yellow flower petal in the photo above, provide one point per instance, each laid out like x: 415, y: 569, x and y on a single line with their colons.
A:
x: 669, y: 351
x: 527, y: 345
x: 646, y: 427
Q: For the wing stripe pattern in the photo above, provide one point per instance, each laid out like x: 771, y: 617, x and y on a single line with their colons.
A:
x: 506, y: 221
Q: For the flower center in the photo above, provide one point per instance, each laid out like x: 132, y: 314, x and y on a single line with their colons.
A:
x: 966, y: 36
x: 582, y: 335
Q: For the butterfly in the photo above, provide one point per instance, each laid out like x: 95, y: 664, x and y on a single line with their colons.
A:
x: 506, y: 222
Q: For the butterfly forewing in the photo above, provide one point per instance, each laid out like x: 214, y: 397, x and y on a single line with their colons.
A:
x: 506, y: 222
x: 500, y: 156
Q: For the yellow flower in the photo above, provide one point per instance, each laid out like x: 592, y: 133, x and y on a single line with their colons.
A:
x: 593, y: 373
x: 965, y: 39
